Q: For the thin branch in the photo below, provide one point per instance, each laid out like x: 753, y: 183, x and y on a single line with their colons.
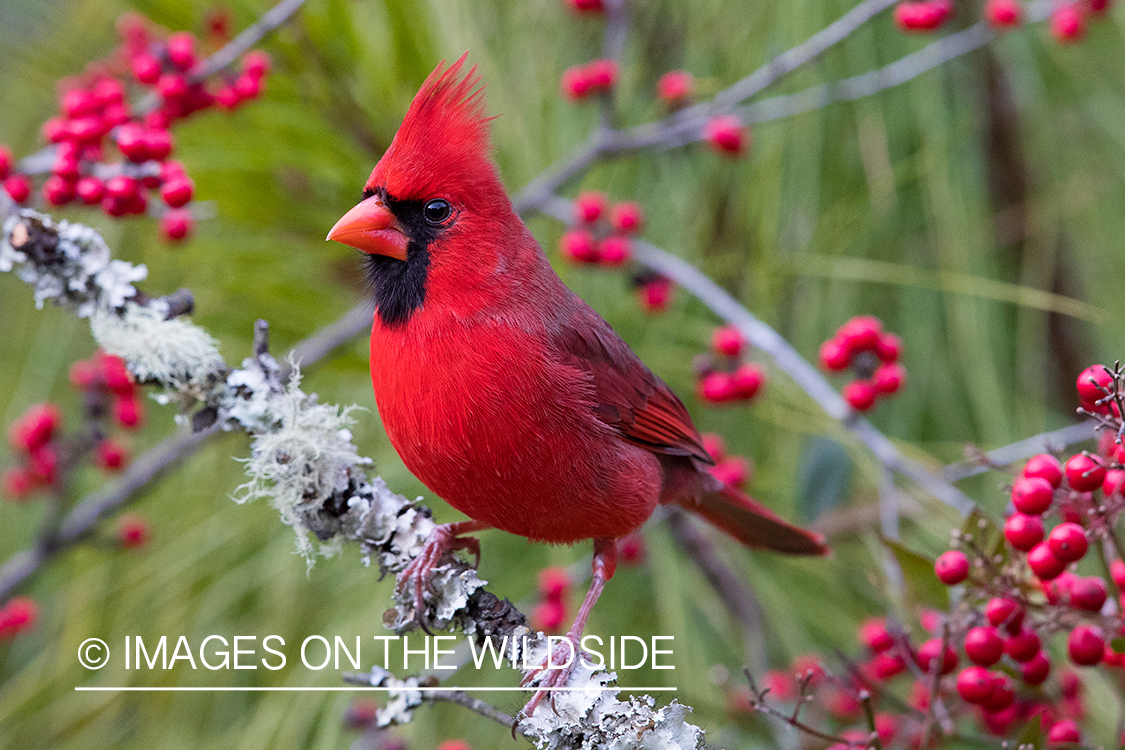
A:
x: 1054, y: 440
x: 733, y: 592
x: 249, y: 38
x: 475, y: 705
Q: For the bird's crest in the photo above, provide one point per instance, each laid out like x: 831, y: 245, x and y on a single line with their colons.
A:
x: 443, y: 146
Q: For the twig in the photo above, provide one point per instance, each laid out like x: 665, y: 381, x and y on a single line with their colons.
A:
x: 758, y: 703
x: 1044, y: 442
x: 734, y: 594
x: 475, y: 705
x: 250, y: 36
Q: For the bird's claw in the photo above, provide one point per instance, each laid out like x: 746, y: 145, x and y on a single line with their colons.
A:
x: 419, y: 572
x: 556, y: 677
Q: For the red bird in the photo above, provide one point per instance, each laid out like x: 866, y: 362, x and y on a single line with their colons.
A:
x: 502, y: 391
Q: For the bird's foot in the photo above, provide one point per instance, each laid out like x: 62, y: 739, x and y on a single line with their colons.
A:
x: 558, y: 667
x: 419, y: 572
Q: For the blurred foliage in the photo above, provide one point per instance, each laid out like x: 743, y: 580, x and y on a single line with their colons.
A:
x: 947, y: 207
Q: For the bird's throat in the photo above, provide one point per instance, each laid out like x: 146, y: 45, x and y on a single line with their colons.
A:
x: 399, y: 286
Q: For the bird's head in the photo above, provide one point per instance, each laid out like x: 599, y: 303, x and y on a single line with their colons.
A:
x: 435, y: 183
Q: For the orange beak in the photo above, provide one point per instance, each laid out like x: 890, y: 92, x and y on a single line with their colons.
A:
x: 372, y: 228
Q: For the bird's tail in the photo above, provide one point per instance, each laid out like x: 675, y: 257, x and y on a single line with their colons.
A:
x: 754, y: 524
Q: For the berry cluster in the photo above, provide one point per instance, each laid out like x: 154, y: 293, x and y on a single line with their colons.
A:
x: 601, y: 234
x: 654, y: 291
x: 17, y: 615
x: 595, y: 77
x: 32, y: 438
x: 96, y: 117
x: 554, y: 587
x: 723, y: 376
x: 735, y: 471
x: 921, y: 16
x: 872, y: 353
x: 109, y: 388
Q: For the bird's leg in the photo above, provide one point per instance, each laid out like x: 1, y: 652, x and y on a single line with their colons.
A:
x: 445, y: 537
x: 605, y: 562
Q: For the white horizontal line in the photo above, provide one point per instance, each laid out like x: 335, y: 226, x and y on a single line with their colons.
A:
x: 359, y: 688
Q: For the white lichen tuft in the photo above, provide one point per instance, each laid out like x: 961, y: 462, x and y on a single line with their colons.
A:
x: 176, y: 354
x: 73, y: 270
x: 307, y: 460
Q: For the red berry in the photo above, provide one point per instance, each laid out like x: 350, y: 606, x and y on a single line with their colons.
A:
x: 733, y: 471
x: 1114, y: 483
x: 952, y: 567
x: 181, y: 50
x: 747, y: 381
x: 90, y: 190
x: 889, y: 347
x: 548, y: 616
x: 108, y: 91
x: 1117, y: 572
x: 1023, y: 646
x: 587, y: 6
x: 1036, y: 669
x: 1003, y: 13
x: 1003, y: 694
x: 227, y: 98
x: 578, y: 245
x: 727, y: 341
x: 889, y: 377
x: 18, y: 615
x: 76, y: 103
x: 18, y: 187
x: 6, y: 162
x: 576, y: 83
x: 614, y: 250
x: 256, y: 64
x: 1006, y: 612
x: 158, y: 142
x: 58, y: 191
x: 1063, y: 733
x: 1068, y: 542
x: 716, y: 448
x: 121, y: 187
x: 1086, y: 645
x: 675, y: 87
x: 922, y: 15
x: 874, y: 635
x: 860, y: 394
x: 554, y: 583
x: 1043, y: 562
x: 1067, y: 22
x: 132, y: 142
x: 726, y: 135
x: 132, y: 531
x: 111, y: 455
x: 835, y: 355
x: 983, y: 646
x: 656, y: 295
x: 1085, y: 472
x: 602, y: 74
x: 65, y: 164
x: 177, y: 191
x: 590, y: 206
x: 1088, y: 593
x: 176, y: 224
x: 17, y: 483
x: 43, y: 463
x: 974, y: 684
x: 861, y: 334
x: 1032, y: 495
x: 146, y: 68
x: 627, y: 217
x: 461, y: 744
x: 172, y: 87
x: 632, y: 549
x: 1023, y: 532
x: 1094, y: 383
x: 886, y: 665
x: 716, y: 388
x: 931, y: 650
x: 1044, y: 466
x: 35, y: 428
x: 128, y: 411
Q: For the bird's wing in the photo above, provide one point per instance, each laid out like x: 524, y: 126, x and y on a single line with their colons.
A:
x: 628, y: 396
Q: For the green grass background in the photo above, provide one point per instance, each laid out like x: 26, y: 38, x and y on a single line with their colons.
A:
x: 945, y: 206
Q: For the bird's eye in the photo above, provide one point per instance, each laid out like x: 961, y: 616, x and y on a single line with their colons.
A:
x: 437, y: 211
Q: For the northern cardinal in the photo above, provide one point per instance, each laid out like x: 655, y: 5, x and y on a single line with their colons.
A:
x: 502, y: 391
